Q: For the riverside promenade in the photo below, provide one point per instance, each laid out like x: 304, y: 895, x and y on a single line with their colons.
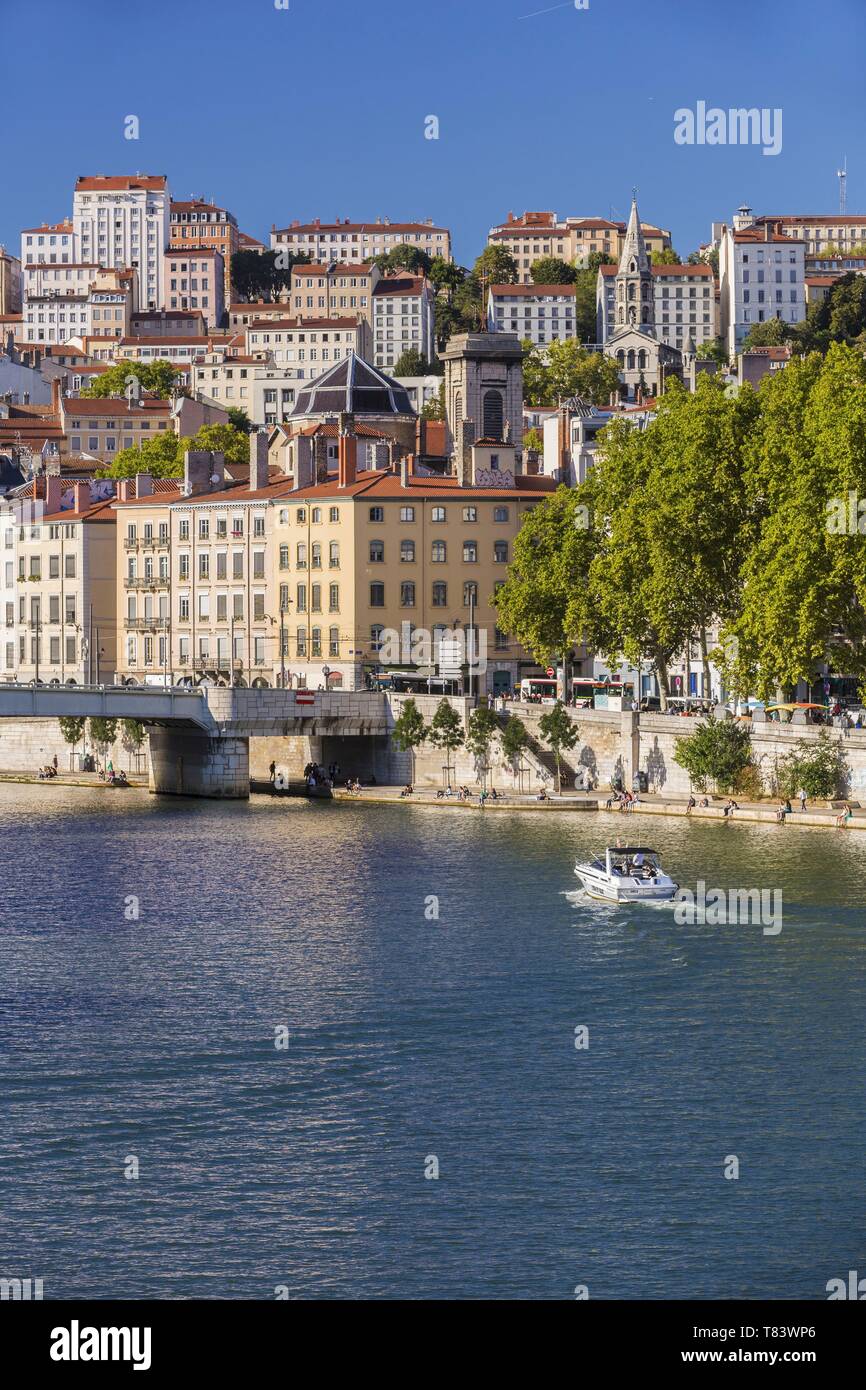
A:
x: 821, y: 815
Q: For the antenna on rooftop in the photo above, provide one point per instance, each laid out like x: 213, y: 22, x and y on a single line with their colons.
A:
x: 842, y: 176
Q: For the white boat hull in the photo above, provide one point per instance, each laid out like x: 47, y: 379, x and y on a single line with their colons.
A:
x: 625, y: 888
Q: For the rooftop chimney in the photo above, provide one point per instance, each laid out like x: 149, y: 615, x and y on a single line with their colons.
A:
x: 81, y: 493
x: 405, y: 470
x: 143, y: 485
x: 465, y: 441
x: 347, y: 451
x: 55, y: 395
x: 53, y: 491
x: 258, y: 461
x: 203, y: 471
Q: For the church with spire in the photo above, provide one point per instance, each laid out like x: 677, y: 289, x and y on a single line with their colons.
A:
x: 644, y: 360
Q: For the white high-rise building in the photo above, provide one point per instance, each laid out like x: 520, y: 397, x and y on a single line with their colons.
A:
x: 123, y: 222
x: 761, y: 276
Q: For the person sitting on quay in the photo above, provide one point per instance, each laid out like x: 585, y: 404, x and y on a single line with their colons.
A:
x: 704, y: 803
x: 407, y: 790
x: 690, y: 805
x: 844, y: 816
x: 542, y: 795
x: 783, y: 809
x: 731, y: 807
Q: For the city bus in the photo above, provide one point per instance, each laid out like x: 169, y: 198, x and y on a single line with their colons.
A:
x: 538, y: 690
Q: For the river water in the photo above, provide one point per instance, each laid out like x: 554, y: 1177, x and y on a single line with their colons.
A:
x: 155, y: 1044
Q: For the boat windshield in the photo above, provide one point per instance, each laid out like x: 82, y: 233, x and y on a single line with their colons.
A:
x: 640, y: 863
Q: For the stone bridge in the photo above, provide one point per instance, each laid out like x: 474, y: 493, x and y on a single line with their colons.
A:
x: 199, y: 739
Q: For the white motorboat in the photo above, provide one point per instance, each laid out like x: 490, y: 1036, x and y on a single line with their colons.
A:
x: 627, y: 875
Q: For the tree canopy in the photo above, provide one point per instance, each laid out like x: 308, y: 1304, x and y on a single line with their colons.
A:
x: 158, y: 377
x: 564, y: 368
x: 550, y: 270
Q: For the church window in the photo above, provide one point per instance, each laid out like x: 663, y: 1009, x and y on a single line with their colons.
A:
x: 493, y: 415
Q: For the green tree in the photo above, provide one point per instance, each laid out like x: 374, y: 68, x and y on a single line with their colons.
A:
x: 803, y: 575
x: 239, y: 420
x: 820, y: 769
x: 585, y: 290
x: 497, y: 266
x: 534, y: 439
x: 667, y: 256
x: 446, y: 732
x: 482, y: 729
x: 233, y: 444
x: 446, y: 276
x: 103, y: 732
x: 718, y: 752
x: 564, y: 368
x: 515, y: 741
x: 133, y: 734
x: 550, y: 270
x: 263, y: 275
x: 409, y: 730
x: 560, y: 733
x: 772, y: 333
x: 714, y: 349
x: 434, y: 409
x: 413, y: 363
x: 72, y: 730
x: 404, y: 257
x: 159, y: 378
x: 160, y: 456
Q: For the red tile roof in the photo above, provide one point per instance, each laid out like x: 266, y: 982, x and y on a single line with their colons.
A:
x: 121, y: 183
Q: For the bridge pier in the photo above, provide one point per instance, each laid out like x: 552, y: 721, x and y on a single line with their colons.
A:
x: 184, y: 762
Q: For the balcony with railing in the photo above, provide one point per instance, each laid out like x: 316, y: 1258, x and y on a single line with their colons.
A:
x: 151, y: 581
x: 146, y: 624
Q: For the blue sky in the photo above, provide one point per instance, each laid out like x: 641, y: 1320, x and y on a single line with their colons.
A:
x: 319, y: 110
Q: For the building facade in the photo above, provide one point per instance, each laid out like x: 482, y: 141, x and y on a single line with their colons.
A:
x: 571, y: 239
x: 683, y: 300
x: 538, y: 313
x: 196, y: 282
x: 10, y: 282
x: 123, y: 222
x: 334, y: 291
x: 403, y: 319
x: 761, y: 277
x: 347, y: 241
x: 199, y: 225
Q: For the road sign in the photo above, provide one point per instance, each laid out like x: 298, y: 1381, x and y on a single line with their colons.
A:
x: 305, y: 697
x: 551, y: 673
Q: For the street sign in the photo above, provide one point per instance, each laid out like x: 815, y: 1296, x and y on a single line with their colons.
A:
x: 305, y: 697
x: 551, y: 673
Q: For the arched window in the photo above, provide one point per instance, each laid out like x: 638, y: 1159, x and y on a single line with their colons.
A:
x: 631, y: 359
x: 641, y: 359
x: 631, y: 292
x: 620, y: 357
x: 493, y: 415
x: 632, y: 267
x: 620, y: 315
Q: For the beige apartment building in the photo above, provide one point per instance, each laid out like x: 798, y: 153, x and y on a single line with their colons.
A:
x: 62, y: 625
x: 196, y: 596
x: 196, y: 281
x: 357, y: 241
x: 334, y: 291
x: 317, y: 584
x: 572, y: 239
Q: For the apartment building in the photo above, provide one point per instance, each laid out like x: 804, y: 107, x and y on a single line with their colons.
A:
x: 196, y: 281
x: 123, y: 222
x: 571, y: 239
x: 684, y: 304
x: 50, y: 244
x: 369, y: 558
x: 310, y: 345
x: 842, y: 231
x: 10, y: 282
x: 347, y: 241
x: 196, y: 594
x: 76, y: 301
x: 540, y: 313
x: 761, y: 276
x: 198, y: 225
x: 102, y: 427
x: 60, y: 622
x: 403, y: 319
x: 334, y: 291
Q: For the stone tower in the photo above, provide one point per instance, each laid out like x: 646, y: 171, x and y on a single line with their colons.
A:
x: 484, y: 384
x: 635, y: 302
